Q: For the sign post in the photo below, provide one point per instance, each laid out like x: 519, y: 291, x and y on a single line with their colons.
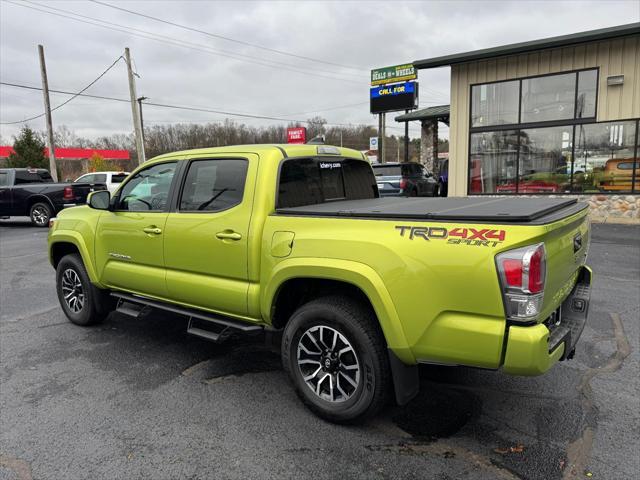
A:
x: 392, y: 88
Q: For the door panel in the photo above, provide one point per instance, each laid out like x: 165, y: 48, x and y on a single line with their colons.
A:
x: 129, y: 240
x: 206, y: 239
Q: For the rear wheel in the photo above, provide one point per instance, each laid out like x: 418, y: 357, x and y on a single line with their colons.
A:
x: 40, y: 214
x: 82, y: 303
x: 336, y: 357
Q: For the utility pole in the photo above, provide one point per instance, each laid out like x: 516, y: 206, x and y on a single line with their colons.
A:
x: 140, y: 99
x: 134, y: 108
x: 47, y: 110
x: 383, y: 140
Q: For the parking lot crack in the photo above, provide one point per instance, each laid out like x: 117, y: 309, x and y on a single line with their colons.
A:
x: 579, y: 451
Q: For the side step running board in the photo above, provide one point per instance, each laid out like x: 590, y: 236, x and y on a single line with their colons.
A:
x: 210, y: 326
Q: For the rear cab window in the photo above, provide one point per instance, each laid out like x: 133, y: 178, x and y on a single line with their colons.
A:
x: 310, y: 181
x: 387, y: 171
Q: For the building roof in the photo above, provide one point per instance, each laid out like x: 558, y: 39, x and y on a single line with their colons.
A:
x: 525, y: 47
x: 76, y: 153
x: 441, y: 113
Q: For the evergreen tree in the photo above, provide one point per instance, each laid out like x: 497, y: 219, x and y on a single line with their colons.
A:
x: 28, y: 151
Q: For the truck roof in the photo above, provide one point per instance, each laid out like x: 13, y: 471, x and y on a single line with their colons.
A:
x: 288, y: 150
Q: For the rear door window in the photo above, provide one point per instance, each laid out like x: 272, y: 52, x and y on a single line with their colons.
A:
x: 32, y: 176
x: 4, y: 179
x: 309, y: 181
x: 213, y: 185
x: 118, y: 177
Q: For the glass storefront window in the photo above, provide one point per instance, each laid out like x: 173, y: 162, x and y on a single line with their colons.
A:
x: 551, y: 97
x: 604, y: 157
x: 587, y: 88
x: 494, y: 104
x: 493, y: 162
x: 545, y: 160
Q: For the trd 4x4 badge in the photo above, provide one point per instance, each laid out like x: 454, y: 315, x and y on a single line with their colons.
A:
x: 481, y: 237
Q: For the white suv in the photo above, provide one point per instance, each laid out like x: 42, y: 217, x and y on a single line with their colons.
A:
x: 111, y: 179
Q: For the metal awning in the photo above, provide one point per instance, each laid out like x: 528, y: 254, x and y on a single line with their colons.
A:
x: 439, y: 113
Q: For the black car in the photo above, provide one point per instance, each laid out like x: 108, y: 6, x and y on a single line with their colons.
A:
x: 32, y: 192
x: 405, y: 179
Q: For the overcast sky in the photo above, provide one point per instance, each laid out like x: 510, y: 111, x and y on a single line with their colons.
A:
x: 186, y: 68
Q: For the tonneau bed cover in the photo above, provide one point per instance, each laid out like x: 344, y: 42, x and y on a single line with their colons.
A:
x: 495, y: 210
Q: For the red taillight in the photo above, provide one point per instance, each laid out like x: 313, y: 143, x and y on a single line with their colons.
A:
x: 403, y: 184
x: 68, y: 193
x: 522, y: 273
x: 512, y: 272
x: 536, y: 271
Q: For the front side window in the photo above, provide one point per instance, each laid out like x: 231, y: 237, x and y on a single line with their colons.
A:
x: 551, y: 97
x: 494, y: 104
x: 213, y: 185
x: 493, y: 162
x: 604, y: 157
x: 147, y: 190
x: 545, y: 160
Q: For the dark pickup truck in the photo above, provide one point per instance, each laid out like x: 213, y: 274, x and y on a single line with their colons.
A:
x: 32, y: 192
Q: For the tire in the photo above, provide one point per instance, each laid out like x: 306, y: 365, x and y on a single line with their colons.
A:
x: 436, y: 190
x: 91, y: 305
x: 352, y: 326
x: 413, y: 193
x: 40, y: 214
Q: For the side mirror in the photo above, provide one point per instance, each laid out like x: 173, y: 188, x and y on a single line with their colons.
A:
x: 99, y: 200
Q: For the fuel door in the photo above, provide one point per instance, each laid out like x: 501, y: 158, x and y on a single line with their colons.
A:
x: 281, y: 244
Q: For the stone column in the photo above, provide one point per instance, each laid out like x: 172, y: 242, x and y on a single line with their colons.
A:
x: 429, y: 144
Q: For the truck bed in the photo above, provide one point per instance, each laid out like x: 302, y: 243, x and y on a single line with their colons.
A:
x: 480, y: 210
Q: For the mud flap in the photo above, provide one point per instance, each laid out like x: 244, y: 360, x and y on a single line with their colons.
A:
x: 406, y: 381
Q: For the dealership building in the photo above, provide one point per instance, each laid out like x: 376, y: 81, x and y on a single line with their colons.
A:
x: 558, y: 116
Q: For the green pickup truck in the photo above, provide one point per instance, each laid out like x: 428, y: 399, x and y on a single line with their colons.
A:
x: 294, y: 242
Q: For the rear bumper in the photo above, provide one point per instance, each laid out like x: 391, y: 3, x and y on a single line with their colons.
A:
x: 532, y: 350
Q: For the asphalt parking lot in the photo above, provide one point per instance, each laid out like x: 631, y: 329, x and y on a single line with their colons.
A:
x: 142, y: 399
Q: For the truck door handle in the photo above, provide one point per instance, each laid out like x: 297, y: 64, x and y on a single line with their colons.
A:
x: 152, y: 230
x: 228, y: 235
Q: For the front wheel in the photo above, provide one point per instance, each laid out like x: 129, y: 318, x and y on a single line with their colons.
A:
x: 82, y: 303
x: 40, y: 214
x: 336, y: 358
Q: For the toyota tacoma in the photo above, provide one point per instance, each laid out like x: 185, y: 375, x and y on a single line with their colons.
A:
x: 295, y: 242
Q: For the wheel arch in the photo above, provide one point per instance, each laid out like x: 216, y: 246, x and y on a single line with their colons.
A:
x: 322, y: 276
x: 39, y: 198
x: 68, y: 242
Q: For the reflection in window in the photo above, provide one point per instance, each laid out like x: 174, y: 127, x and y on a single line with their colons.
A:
x: 493, y: 163
x: 213, y: 185
x: 586, y: 100
x: 551, y: 97
x: 603, y: 154
x: 494, y: 104
x: 148, y: 190
x: 545, y: 160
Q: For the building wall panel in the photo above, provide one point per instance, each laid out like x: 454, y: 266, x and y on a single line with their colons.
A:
x: 612, y: 57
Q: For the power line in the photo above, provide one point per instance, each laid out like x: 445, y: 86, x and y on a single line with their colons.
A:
x: 196, y: 46
x: 241, y: 42
x: 74, y: 95
x: 176, y: 42
x: 191, y: 108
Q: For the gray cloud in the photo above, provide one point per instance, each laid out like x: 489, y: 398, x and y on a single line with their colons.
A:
x: 362, y: 34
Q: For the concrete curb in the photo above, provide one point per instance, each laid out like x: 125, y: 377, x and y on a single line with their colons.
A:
x: 614, y: 220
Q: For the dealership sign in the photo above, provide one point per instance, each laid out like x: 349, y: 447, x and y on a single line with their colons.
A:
x: 389, y: 98
x: 296, y: 135
x: 397, y: 73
